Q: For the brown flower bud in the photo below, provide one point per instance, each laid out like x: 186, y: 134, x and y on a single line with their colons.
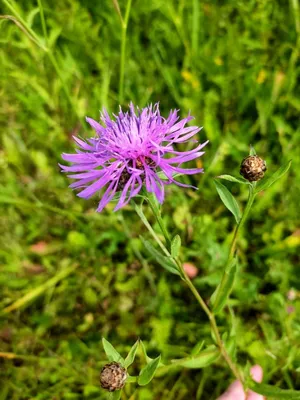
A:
x: 253, y: 168
x: 113, y: 376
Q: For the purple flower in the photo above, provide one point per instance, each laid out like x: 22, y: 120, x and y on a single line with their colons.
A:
x: 129, y: 152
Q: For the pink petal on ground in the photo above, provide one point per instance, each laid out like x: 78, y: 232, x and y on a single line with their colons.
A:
x: 190, y: 270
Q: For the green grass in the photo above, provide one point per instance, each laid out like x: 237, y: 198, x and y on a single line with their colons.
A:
x: 235, y: 66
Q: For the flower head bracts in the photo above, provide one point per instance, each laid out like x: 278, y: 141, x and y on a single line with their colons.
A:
x: 129, y: 152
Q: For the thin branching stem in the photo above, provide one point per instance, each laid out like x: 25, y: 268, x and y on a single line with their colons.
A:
x: 117, y: 8
x: 241, y: 223
x: 41, y: 43
x: 44, y: 26
x: 123, y: 50
x: 213, y: 325
x: 195, y: 292
x: 160, y: 221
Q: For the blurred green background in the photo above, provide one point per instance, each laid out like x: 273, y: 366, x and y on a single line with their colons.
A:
x: 235, y: 66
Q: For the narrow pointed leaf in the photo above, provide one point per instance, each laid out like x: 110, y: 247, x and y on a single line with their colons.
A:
x: 111, y: 352
x: 131, y: 355
x: 252, y: 151
x: 154, y: 202
x: 166, y: 262
x: 147, y: 358
x: 228, y: 200
x: 230, y: 345
x: 175, y: 246
x: 115, y: 395
x: 267, y: 182
x: 197, y: 348
x: 221, y: 294
x: 234, y: 179
x: 203, y: 359
x: 274, y: 392
x: 148, y: 372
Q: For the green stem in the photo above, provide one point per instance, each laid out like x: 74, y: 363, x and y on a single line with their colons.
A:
x: 157, y: 214
x: 241, y: 223
x: 214, y: 326
x: 132, y: 379
x: 30, y: 31
x: 33, y: 293
x: 44, y: 26
x: 53, y: 61
x: 140, y: 213
x: 123, y: 51
x: 197, y: 295
x: 33, y: 36
x: 139, y: 256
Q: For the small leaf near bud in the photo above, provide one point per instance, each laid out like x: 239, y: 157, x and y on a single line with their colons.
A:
x: 252, y: 151
x: 253, y: 168
x: 228, y: 200
x: 266, y: 183
x: 231, y: 178
x: 147, y: 373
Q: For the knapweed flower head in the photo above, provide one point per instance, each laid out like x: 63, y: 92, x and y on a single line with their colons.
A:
x: 135, y: 149
x: 113, y: 376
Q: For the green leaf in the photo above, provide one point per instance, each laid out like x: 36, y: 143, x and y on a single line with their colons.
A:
x: 166, y: 262
x: 197, y: 348
x: 111, y: 352
x: 228, y: 200
x: 234, y: 179
x: 223, y: 290
x: 267, y: 182
x: 252, y: 151
x: 154, y: 202
x: 203, y: 359
x: 131, y: 355
x: 175, y: 246
x: 273, y: 391
x: 147, y: 358
x: 147, y: 373
x: 230, y: 345
x: 115, y: 395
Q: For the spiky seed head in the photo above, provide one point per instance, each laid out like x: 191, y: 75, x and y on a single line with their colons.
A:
x: 113, y: 376
x: 253, y: 168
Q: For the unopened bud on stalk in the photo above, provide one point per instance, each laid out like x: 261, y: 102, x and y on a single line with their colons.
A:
x: 113, y: 376
x: 253, y: 168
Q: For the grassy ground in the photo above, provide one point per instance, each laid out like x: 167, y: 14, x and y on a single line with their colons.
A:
x: 235, y: 65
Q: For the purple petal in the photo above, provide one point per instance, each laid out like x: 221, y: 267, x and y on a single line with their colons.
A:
x: 78, y: 167
x: 158, y: 188
x: 108, y: 195
x: 95, y: 174
x: 184, y: 158
x: 78, y: 158
x: 95, y: 125
x: 83, y: 144
x: 95, y: 187
x: 124, y: 193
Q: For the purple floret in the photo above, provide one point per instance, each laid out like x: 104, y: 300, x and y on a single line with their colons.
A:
x: 129, y: 152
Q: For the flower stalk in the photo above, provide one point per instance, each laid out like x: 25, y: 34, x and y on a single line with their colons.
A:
x: 190, y: 285
x: 242, y: 221
x: 124, y: 24
x: 43, y: 44
x: 157, y: 215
